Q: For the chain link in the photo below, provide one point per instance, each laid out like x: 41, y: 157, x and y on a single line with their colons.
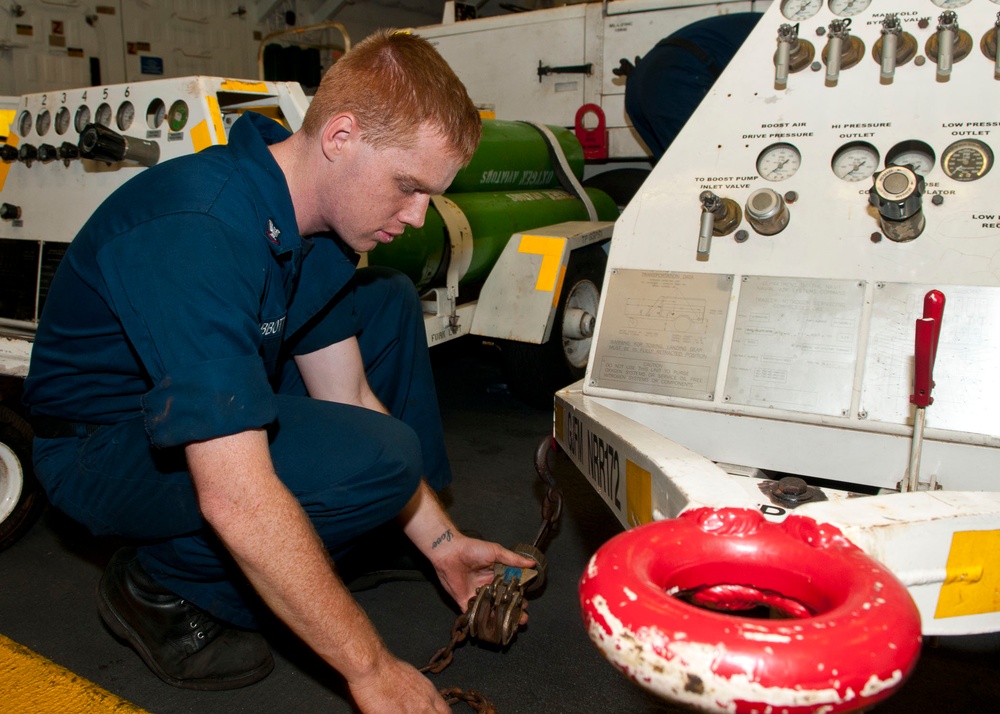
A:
x: 474, y: 699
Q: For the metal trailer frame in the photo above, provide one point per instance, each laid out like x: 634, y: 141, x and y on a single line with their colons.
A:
x: 713, y: 375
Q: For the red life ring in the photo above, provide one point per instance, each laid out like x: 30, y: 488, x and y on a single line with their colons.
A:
x: 850, y: 638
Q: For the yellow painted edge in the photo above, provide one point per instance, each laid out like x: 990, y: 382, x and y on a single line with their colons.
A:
x: 972, y: 575
x: 200, y: 138
x: 6, y: 122
x: 32, y: 683
x: 235, y: 85
x: 638, y: 494
x: 215, y: 114
x: 551, y: 249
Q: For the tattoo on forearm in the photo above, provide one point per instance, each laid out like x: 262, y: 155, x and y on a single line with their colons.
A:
x: 446, y: 536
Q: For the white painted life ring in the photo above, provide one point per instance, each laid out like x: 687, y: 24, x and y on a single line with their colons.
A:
x: 850, y: 635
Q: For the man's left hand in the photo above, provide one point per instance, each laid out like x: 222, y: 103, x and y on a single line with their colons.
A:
x: 465, y: 564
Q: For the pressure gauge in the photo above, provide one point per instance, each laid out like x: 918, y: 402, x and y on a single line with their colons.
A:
x: 848, y: 8
x: 952, y: 4
x: 798, y: 10
x: 25, y: 123
x: 103, y: 115
x: 82, y: 118
x: 177, y: 117
x: 156, y: 113
x: 125, y: 115
x: 967, y: 160
x: 778, y: 162
x: 855, y: 162
x: 62, y: 121
x: 42, y: 122
x: 915, y: 154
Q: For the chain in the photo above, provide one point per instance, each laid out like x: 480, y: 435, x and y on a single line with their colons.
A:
x: 459, y: 631
x: 474, y: 699
x: 551, y: 511
x: 552, y: 505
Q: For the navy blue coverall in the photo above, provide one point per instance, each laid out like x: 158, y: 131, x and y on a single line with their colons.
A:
x: 174, y: 317
x: 670, y: 81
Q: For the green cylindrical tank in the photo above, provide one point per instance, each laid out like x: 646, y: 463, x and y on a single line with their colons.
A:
x: 513, y: 155
x: 493, y: 218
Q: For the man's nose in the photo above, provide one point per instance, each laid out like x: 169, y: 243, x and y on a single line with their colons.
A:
x: 415, y: 210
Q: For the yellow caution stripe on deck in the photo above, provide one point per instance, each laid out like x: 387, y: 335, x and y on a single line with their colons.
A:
x: 32, y: 683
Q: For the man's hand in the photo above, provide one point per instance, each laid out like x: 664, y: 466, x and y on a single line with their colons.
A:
x: 396, y: 687
x: 464, y: 564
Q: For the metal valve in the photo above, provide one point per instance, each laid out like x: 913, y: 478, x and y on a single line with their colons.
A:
x: 787, y: 36
x: 792, y: 55
x: 47, y: 153
x: 989, y: 46
x: 897, y: 193
x: 27, y: 154
x: 891, y: 30
x: 838, y: 36
x: 946, y: 35
x: 8, y: 153
x: 102, y: 144
x: 719, y: 217
x: 766, y: 211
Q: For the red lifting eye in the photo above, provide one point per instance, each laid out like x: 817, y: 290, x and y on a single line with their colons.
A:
x: 593, y: 140
x: 672, y: 605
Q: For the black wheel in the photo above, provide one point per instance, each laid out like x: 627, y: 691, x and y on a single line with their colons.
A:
x: 535, y: 372
x: 21, y: 498
x: 620, y: 184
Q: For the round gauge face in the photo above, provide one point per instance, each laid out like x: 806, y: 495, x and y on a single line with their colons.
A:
x: 125, y: 116
x: 797, y: 10
x: 177, y: 117
x: 855, y: 162
x: 848, y: 8
x: 156, y: 113
x: 82, y: 118
x: 952, y: 4
x: 43, y: 122
x: 915, y: 154
x: 967, y: 160
x: 62, y: 120
x: 25, y: 123
x: 778, y: 162
x: 103, y: 115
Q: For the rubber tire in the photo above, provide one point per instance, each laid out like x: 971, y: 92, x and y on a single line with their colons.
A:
x: 620, y: 184
x: 16, y: 465
x: 535, y: 372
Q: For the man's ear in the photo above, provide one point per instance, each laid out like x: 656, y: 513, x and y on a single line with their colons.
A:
x: 336, y: 133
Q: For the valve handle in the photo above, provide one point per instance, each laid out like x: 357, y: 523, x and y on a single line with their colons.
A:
x: 928, y: 329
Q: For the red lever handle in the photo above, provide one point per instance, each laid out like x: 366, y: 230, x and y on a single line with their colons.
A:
x: 925, y: 348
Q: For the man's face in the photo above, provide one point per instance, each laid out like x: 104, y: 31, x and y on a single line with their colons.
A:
x: 388, y: 189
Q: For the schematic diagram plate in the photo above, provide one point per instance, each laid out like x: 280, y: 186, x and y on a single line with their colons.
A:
x: 966, y: 391
x: 795, y: 344
x: 662, y: 332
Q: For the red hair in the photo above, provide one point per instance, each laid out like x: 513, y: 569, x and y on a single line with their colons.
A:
x: 393, y: 83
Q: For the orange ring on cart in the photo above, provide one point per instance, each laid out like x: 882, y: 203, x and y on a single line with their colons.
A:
x: 851, y: 635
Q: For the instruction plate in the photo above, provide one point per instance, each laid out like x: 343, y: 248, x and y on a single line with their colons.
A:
x: 795, y: 344
x: 966, y: 392
x: 661, y: 332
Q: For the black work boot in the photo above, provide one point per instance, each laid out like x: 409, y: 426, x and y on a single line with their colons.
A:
x: 184, y: 646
